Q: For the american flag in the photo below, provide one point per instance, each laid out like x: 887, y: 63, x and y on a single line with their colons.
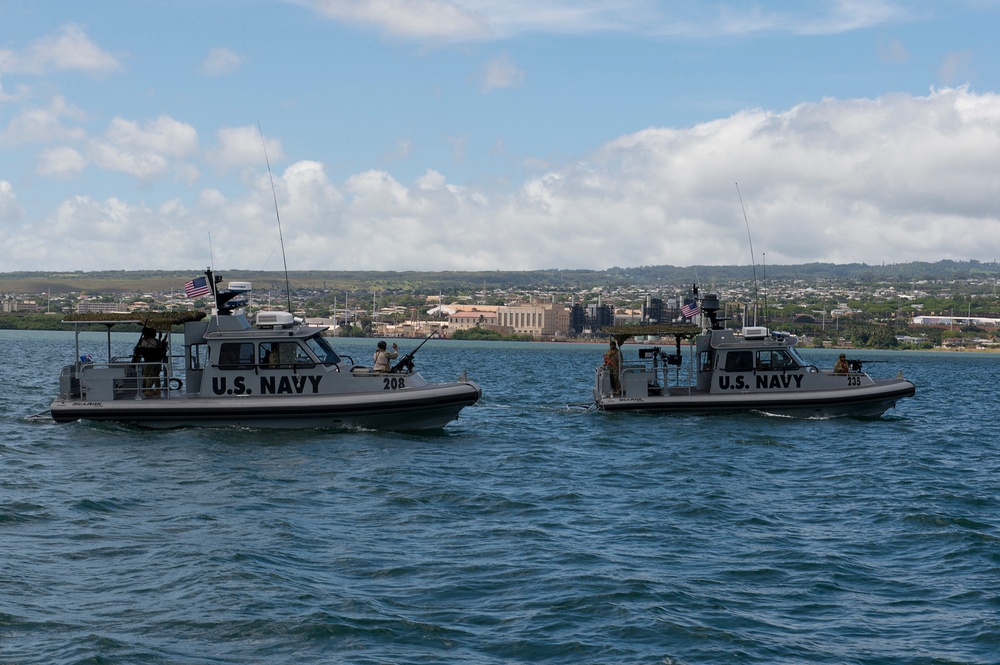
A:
x: 690, y: 310
x: 197, y: 287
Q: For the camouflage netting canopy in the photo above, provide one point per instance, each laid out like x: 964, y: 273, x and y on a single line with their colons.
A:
x: 677, y: 330
x: 160, y: 321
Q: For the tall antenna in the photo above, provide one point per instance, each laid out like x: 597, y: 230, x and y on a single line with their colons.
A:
x: 288, y: 289
x: 763, y: 258
x: 752, y: 263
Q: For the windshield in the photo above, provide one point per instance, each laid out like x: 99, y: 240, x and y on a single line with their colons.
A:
x: 795, y: 354
x: 323, y: 350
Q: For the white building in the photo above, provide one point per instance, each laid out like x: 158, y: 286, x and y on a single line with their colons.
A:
x: 472, y: 318
x: 955, y: 321
x: 540, y: 321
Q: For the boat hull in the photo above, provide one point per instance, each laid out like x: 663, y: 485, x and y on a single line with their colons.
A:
x: 430, y: 407
x: 861, y: 402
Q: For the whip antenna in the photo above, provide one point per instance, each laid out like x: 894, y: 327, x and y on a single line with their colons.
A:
x: 752, y: 263
x: 281, y: 240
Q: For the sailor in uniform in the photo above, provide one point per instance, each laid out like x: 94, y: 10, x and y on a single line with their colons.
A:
x: 613, y: 361
x: 383, y: 356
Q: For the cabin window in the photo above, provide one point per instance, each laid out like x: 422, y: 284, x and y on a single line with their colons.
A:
x: 322, y: 350
x: 236, y: 355
x: 739, y: 361
x: 775, y: 360
x: 705, y: 361
x: 277, y: 355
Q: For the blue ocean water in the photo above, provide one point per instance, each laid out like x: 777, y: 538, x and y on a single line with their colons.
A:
x: 530, y: 530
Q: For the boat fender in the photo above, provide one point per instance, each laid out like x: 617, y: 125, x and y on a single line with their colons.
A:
x: 174, y: 383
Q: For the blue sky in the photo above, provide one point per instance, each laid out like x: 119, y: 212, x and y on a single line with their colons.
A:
x: 482, y: 135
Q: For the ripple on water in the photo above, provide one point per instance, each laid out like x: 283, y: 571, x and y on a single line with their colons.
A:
x: 528, y: 531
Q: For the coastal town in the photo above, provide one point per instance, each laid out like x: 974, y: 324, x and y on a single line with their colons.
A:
x: 960, y: 310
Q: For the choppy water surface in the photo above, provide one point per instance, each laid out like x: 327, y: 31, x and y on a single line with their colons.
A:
x: 528, y: 531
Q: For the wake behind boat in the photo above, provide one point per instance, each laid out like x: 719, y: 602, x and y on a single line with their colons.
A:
x: 754, y: 370
x: 276, y: 372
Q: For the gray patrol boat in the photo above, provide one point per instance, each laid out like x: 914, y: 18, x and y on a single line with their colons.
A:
x: 728, y: 371
x: 274, y: 372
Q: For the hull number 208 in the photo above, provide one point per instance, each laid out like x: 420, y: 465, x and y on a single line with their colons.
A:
x: 393, y: 383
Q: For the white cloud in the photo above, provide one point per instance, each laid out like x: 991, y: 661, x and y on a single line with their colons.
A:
x: 827, y: 18
x: 896, y: 178
x: 134, y: 235
x: 10, y: 209
x: 509, y: 18
x: 423, y: 19
x: 43, y: 124
x: 69, y: 49
x: 431, y: 180
x: 500, y: 72
x: 475, y: 20
x: 7, y: 97
x: 239, y: 147
x: 61, y: 162
x: 220, y: 61
x: 146, y: 151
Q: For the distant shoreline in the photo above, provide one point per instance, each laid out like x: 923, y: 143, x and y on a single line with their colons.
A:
x: 61, y: 327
